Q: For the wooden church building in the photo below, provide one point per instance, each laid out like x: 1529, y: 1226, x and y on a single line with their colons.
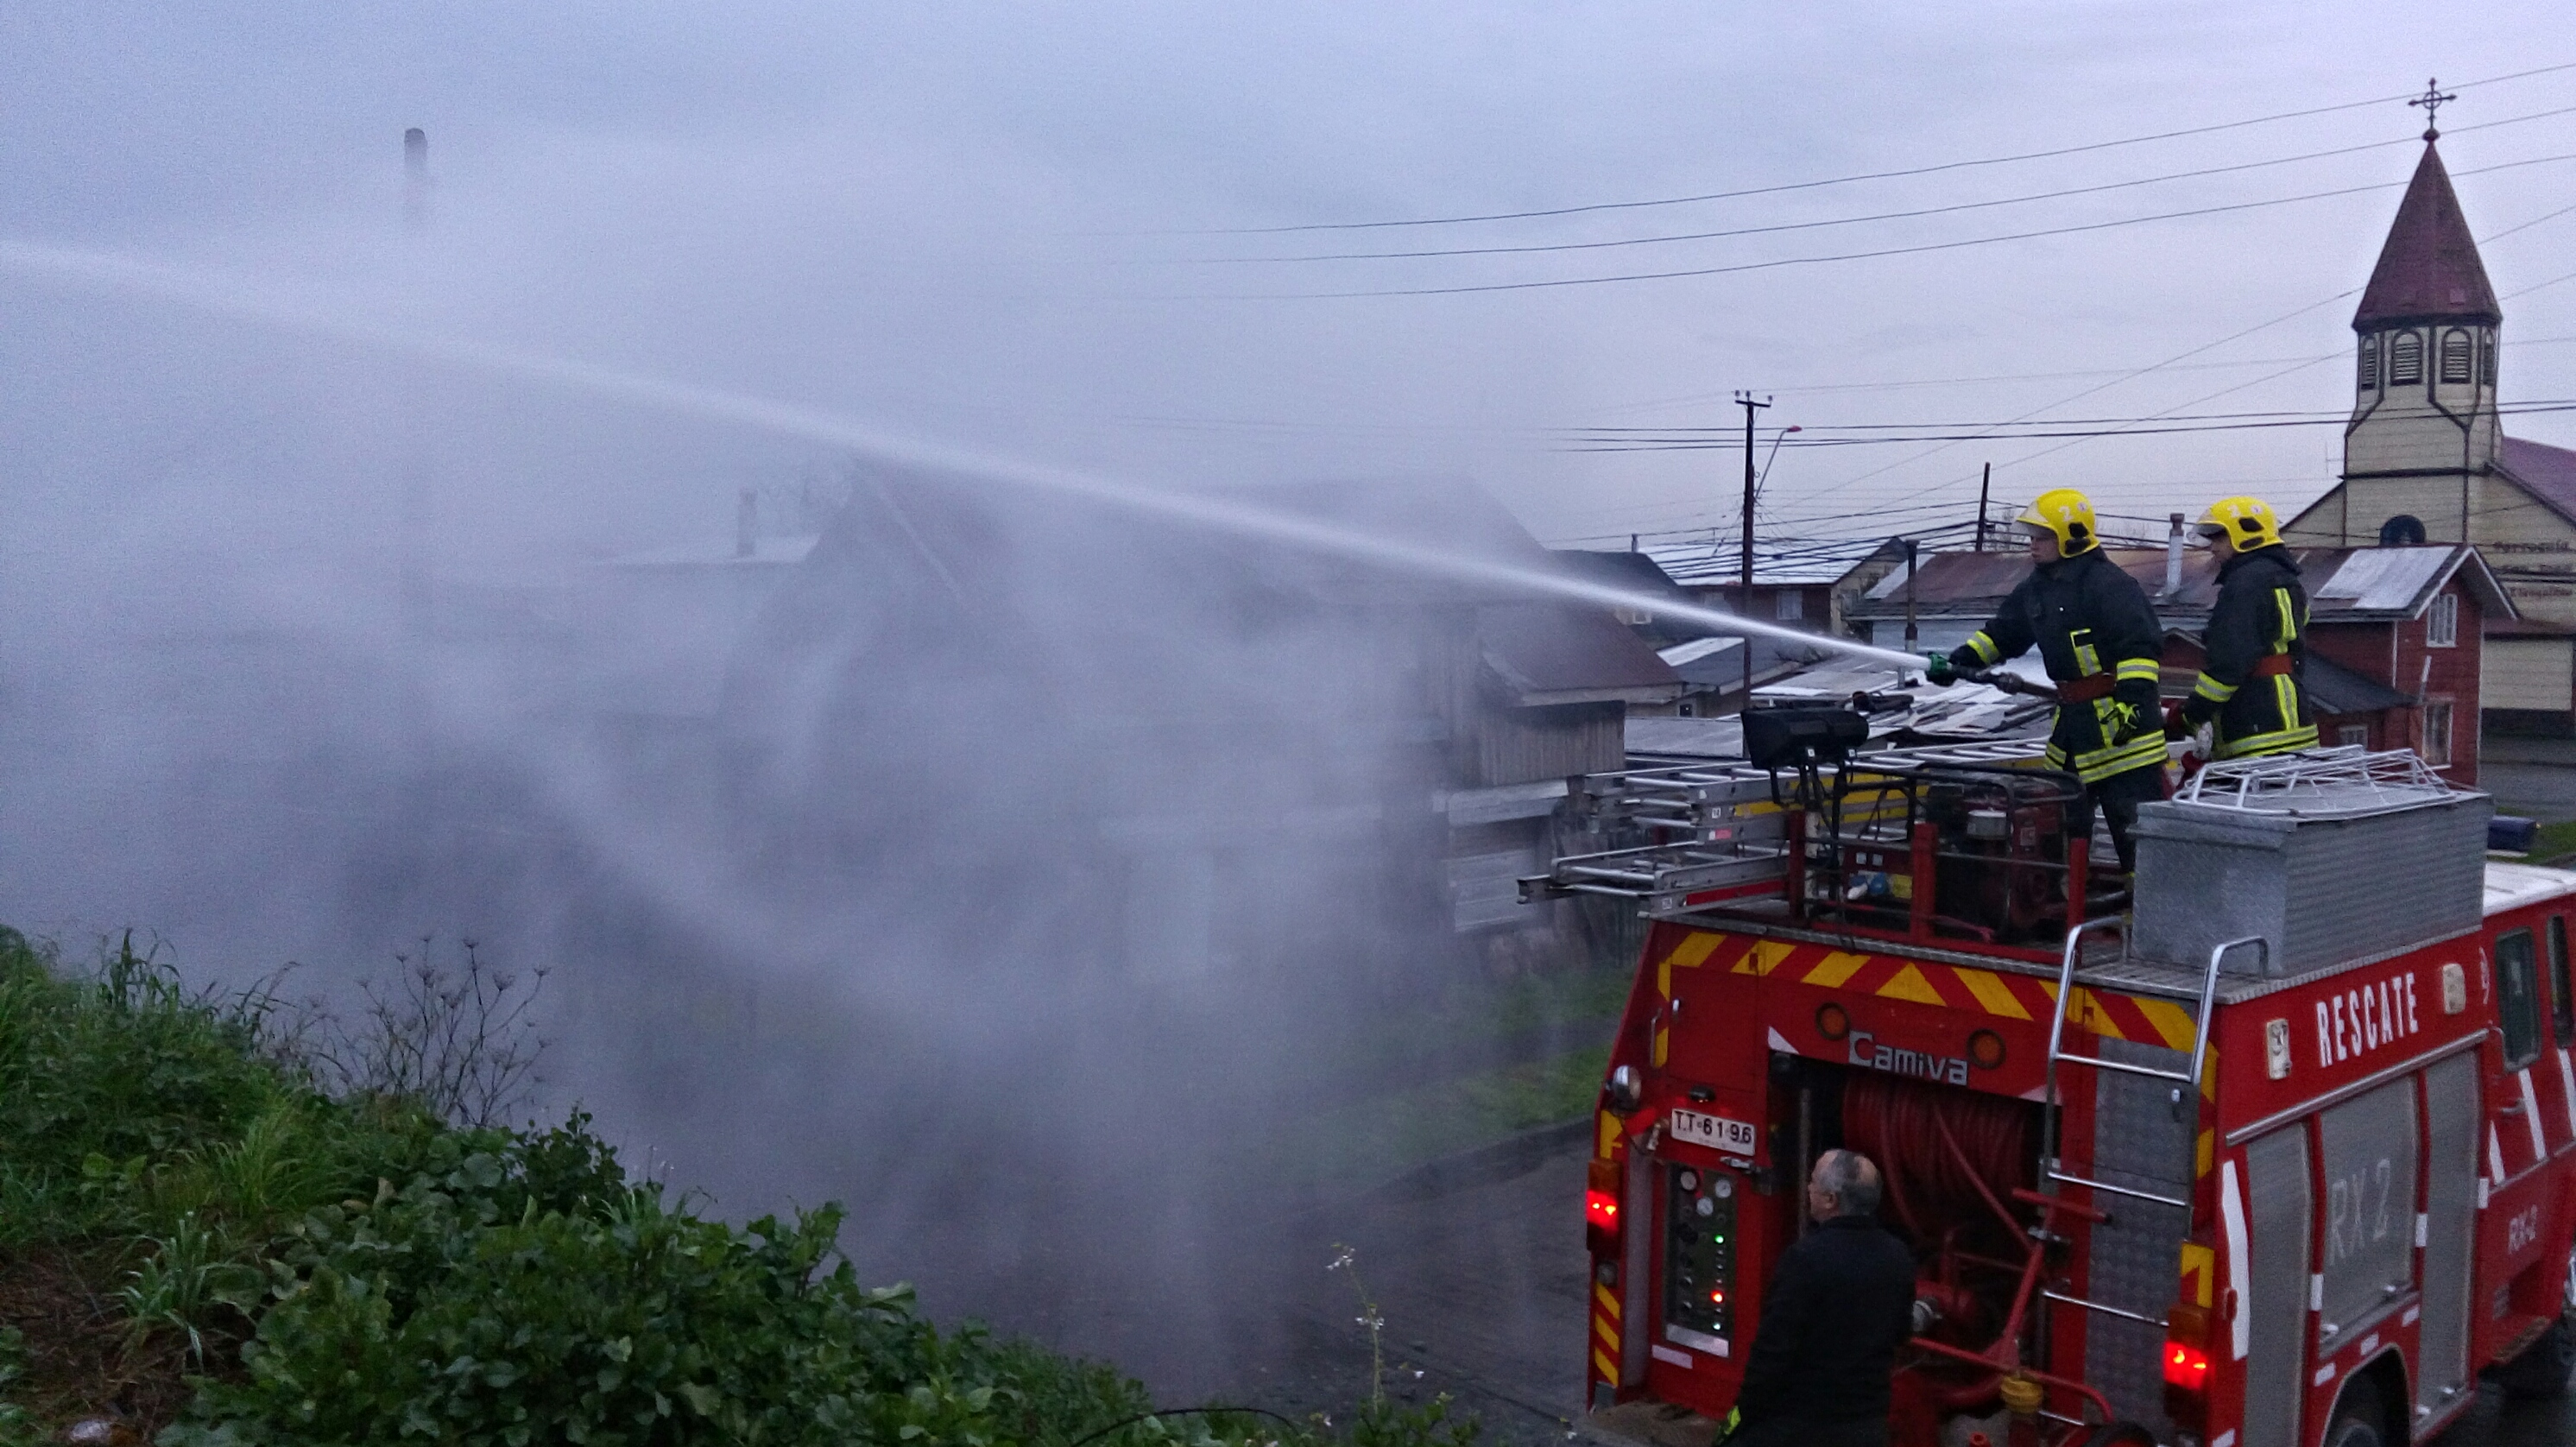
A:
x: 2426, y: 458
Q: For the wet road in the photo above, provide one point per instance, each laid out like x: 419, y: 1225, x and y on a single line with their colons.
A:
x: 1481, y: 1281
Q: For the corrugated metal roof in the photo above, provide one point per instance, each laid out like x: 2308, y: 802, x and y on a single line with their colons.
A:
x: 1943, y: 576
x: 1705, y: 565
x: 2378, y: 580
x: 1697, y: 649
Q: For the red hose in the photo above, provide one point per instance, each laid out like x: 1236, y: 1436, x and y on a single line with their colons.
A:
x: 1897, y: 1123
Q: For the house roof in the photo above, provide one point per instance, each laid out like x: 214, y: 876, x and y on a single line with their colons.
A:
x: 2345, y: 585
x: 1621, y: 570
x: 2547, y: 473
x: 2428, y: 269
x: 1550, y: 653
x: 2528, y: 628
x: 1720, y: 565
x: 1718, y: 663
x: 2335, y: 689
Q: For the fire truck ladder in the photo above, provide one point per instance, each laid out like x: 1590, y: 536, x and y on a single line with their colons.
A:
x: 1706, y: 803
x: 2184, y: 1084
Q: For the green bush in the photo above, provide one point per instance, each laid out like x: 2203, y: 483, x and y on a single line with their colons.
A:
x: 356, y: 1270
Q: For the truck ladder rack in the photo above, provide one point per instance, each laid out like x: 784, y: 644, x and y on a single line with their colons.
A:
x: 2186, y: 1083
x: 1708, y: 802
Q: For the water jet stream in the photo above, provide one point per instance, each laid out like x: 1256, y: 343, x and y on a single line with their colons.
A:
x: 229, y: 297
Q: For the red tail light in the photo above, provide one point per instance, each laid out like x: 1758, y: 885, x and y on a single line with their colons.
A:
x: 2186, y: 1366
x: 1601, y: 1210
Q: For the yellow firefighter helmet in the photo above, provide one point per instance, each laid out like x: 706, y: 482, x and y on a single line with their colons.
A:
x: 2068, y: 515
x: 2248, y: 522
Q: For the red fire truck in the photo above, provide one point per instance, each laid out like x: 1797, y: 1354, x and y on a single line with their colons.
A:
x: 2280, y: 1151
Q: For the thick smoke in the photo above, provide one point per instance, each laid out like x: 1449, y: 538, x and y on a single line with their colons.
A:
x: 1014, y: 868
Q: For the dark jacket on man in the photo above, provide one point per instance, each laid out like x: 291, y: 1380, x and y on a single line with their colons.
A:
x: 1833, y: 1315
x: 2254, y: 655
x: 2094, y: 630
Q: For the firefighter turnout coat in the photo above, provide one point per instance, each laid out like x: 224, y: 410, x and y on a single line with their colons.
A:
x: 2254, y: 654
x: 2101, y: 642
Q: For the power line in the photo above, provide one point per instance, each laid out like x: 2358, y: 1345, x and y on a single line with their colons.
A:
x: 1795, y: 390
x: 1709, y: 444
x: 2180, y: 356
x: 1626, y: 241
x: 1841, y: 180
x: 1917, y: 249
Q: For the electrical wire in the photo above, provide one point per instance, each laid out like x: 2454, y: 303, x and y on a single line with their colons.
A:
x: 2181, y: 356
x: 1719, y: 444
x: 1846, y: 180
x: 1550, y: 283
x: 1805, y: 389
x: 1627, y: 241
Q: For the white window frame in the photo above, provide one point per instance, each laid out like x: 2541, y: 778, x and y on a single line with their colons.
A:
x: 2442, y: 622
x: 2370, y: 362
x: 2438, y: 741
x: 1789, y: 605
x: 2350, y: 735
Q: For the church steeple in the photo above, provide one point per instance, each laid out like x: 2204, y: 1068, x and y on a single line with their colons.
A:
x: 2429, y: 269
x: 2423, y: 433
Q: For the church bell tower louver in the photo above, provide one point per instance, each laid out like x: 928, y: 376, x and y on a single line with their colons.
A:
x: 2422, y: 439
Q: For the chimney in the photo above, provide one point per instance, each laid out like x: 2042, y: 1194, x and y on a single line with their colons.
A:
x: 416, y: 179
x: 746, y: 523
x: 2173, y: 556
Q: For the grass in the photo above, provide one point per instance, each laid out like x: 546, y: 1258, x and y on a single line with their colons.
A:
x: 2554, y: 841
x: 212, y: 1240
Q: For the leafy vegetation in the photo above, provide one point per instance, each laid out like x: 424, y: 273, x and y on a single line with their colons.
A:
x: 210, y: 1233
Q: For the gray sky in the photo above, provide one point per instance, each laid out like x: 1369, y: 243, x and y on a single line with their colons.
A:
x: 947, y: 217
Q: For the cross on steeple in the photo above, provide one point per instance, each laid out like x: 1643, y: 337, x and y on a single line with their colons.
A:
x: 2431, y: 100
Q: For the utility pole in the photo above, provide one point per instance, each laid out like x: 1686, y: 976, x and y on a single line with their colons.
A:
x: 1744, y: 590
x: 1983, y: 483
x: 1912, y: 640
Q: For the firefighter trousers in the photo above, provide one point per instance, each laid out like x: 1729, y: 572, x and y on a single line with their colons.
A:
x: 2117, y: 798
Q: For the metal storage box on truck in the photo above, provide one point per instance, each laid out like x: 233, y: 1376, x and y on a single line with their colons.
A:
x: 2373, y: 861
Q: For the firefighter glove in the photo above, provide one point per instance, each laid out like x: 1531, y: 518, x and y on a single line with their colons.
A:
x: 2129, y: 722
x: 1938, y: 668
x: 2177, y: 723
x: 1734, y: 1421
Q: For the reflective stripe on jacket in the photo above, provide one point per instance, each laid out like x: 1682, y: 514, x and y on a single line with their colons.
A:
x: 2087, y: 618
x: 2262, y: 612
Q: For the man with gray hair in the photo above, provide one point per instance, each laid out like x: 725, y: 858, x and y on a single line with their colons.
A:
x: 1833, y: 1314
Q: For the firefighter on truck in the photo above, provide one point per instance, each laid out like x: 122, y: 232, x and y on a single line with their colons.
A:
x: 2249, y: 681
x: 2101, y: 642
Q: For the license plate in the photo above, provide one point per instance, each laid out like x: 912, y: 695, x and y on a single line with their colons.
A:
x: 1734, y: 1137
